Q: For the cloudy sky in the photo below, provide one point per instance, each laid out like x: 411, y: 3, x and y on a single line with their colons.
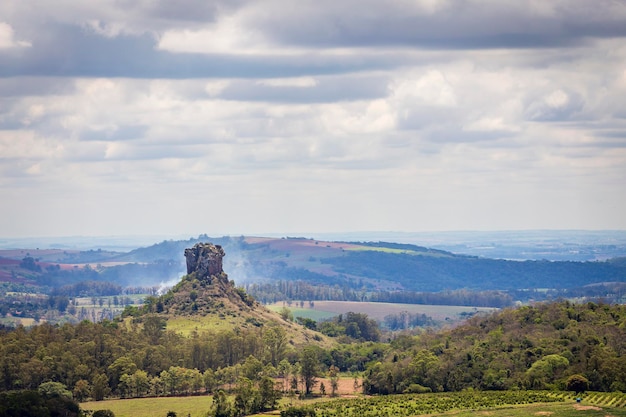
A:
x: 125, y: 117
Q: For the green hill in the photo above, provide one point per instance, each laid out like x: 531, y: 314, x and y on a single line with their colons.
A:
x: 531, y: 347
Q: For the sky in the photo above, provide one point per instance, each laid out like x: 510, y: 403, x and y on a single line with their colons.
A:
x: 155, y: 117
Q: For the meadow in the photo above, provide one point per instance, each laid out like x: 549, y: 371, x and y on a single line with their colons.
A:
x: 464, y: 404
x: 378, y: 311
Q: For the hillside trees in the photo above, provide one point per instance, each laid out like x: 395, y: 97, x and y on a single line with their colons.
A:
x: 538, y: 346
x: 530, y: 347
x: 357, y: 326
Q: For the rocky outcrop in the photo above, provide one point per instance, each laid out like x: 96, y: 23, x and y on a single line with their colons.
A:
x: 205, y: 259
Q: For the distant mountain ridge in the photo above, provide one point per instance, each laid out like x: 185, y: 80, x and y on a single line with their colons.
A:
x: 366, y: 266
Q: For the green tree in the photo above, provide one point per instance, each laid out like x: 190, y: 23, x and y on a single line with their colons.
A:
x: 82, y: 390
x: 153, y: 328
x: 221, y: 406
x: 54, y: 389
x: 284, y: 371
x: 275, y: 342
x: 577, y: 383
x: 269, y: 395
x: 309, y: 371
x: 546, y: 370
x: 100, y: 387
x: 333, y: 375
x: 286, y: 314
x: 209, y: 381
x: 252, y: 368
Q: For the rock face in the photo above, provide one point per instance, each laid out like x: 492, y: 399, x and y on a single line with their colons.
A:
x: 205, y: 259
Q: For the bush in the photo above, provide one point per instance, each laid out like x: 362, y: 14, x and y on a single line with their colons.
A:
x: 103, y: 413
x: 417, y: 389
x: 298, y: 412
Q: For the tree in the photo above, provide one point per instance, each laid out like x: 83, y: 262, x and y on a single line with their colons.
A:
x: 82, y: 390
x: 252, y: 368
x: 333, y: 374
x: 221, y: 407
x: 275, y: 341
x: 34, y: 404
x: 100, y: 387
x: 208, y: 379
x: 247, y: 398
x: 577, y: 383
x: 284, y: 371
x: 153, y: 328
x: 545, y: 370
x: 286, y: 314
x: 309, y: 371
x: 268, y: 393
x: 54, y: 389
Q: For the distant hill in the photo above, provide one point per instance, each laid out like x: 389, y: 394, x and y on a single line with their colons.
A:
x: 359, y: 266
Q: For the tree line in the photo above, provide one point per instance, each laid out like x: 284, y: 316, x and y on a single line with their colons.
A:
x: 139, y: 357
x: 284, y: 290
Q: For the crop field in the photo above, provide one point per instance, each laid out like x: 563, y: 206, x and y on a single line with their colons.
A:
x: 378, y: 311
x: 491, y: 403
x: 463, y: 404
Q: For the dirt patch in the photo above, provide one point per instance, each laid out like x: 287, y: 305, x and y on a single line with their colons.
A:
x: 345, y: 386
x: 586, y: 407
x: 543, y: 413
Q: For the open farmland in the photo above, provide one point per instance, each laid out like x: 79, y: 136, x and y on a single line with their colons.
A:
x: 378, y: 311
x: 483, y: 403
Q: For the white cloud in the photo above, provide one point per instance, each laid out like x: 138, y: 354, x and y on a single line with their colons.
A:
x: 311, y: 120
x: 302, y: 82
x: 7, y: 38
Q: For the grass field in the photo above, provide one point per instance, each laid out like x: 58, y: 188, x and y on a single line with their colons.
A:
x: 378, y: 311
x: 199, y: 405
x: 154, y: 407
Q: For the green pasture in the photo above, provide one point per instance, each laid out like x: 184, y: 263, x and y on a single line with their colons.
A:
x: 378, y: 311
x: 154, y: 407
x: 186, y: 325
x: 356, y: 247
x: 305, y: 312
x: 464, y: 404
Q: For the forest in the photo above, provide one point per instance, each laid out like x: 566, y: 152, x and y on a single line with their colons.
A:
x: 532, y: 347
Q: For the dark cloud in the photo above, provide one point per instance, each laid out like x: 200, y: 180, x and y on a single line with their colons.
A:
x: 66, y: 50
x: 461, y: 24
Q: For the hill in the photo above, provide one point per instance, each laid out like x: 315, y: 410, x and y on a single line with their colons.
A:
x: 531, y: 347
x: 390, y: 266
x: 346, y: 271
x: 206, y: 299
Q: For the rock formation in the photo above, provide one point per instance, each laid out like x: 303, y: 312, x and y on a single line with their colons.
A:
x: 205, y: 259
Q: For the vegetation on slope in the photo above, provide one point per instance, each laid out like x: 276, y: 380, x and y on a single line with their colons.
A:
x: 531, y: 347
